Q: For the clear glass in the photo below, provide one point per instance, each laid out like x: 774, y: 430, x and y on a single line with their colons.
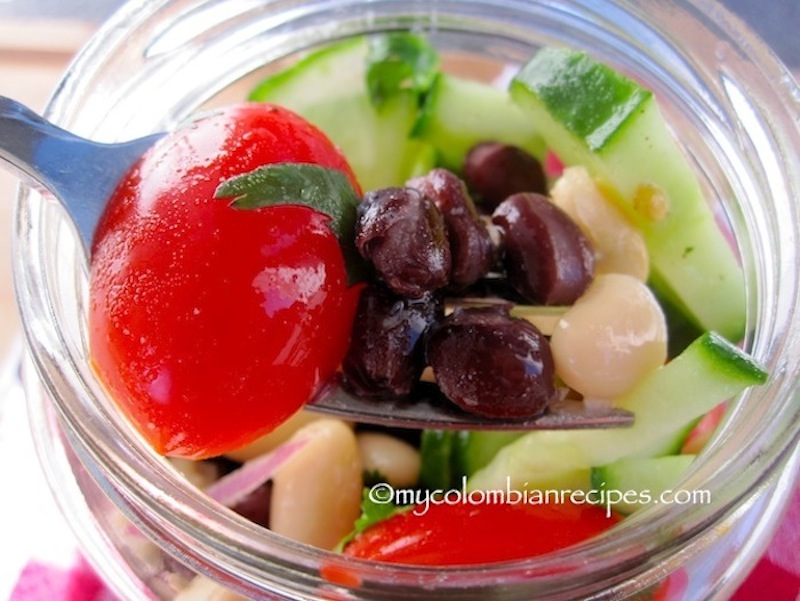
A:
x: 156, y: 62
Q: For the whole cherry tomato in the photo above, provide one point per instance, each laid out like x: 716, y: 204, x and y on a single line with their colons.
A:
x: 209, y: 324
x: 464, y: 534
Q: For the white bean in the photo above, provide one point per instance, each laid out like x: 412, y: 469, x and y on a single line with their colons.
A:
x: 316, y: 494
x: 389, y: 456
x: 204, y: 589
x: 613, y: 335
x: 619, y: 247
x: 278, y: 436
x: 199, y: 473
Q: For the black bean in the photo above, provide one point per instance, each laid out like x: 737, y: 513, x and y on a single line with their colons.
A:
x: 471, y: 246
x: 386, y: 356
x: 547, y: 257
x: 403, y: 234
x: 496, y: 171
x: 491, y: 364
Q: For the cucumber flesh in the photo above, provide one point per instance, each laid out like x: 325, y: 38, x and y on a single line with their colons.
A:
x: 634, y: 483
x: 670, y: 444
x: 664, y: 403
x: 476, y: 449
x: 449, y: 455
x: 590, y: 115
x: 335, y: 71
x: 460, y: 113
x: 375, y: 141
x: 329, y: 89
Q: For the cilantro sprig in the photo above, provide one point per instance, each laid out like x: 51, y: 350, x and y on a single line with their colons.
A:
x: 400, y: 61
x: 320, y: 188
x: 373, y: 511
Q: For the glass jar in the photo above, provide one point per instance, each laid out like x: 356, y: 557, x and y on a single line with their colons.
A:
x: 158, y: 61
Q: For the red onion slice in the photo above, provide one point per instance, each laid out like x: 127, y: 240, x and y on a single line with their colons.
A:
x: 236, y: 485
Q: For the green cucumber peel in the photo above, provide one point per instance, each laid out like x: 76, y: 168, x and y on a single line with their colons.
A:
x: 449, y: 455
x: 708, y: 372
x: 320, y: 188
x: 594, y: 107
x: 438, y: 460
x: 734, y: 363
x: 639, y: 482
x: 591, y: 115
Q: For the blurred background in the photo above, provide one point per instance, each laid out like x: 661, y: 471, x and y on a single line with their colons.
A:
x: 773, y: 19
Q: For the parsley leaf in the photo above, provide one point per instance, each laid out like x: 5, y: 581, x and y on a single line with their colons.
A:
x: 372, y: 512
x: 325, y: 190
x: 400, y: 61
x: 373, y: 477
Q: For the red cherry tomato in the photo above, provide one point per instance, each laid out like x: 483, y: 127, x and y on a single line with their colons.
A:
x: 700, y: 435
x: 210, y: 325
x: 464, y: 534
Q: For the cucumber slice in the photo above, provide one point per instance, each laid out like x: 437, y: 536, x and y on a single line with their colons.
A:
x: 476, y: 449
x: 460, y: 113
x: 329, y: 89
x: 681, y: 330
x: 448, y: 455
x: 593, y: 116
x: 333, y: 71
x: 437, y: 471
x: 632, y: 484
x: 708, y: 372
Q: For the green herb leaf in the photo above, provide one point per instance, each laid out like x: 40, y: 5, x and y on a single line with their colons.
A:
x: 372, y: 512
x: 400, y: 61
x: 325, y: 190
x: 373, y: 477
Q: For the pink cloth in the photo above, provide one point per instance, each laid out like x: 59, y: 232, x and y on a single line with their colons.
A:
x: 42, y: 582
x: 775, y: 578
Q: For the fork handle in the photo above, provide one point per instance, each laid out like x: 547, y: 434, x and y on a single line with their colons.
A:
x: 82, y: 174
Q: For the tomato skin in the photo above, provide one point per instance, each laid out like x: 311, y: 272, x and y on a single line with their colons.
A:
x: 211, y: 325
x: 699, y: 436
x: 469, y: 534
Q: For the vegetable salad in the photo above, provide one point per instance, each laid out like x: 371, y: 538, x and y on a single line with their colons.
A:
x: 368, y: 218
